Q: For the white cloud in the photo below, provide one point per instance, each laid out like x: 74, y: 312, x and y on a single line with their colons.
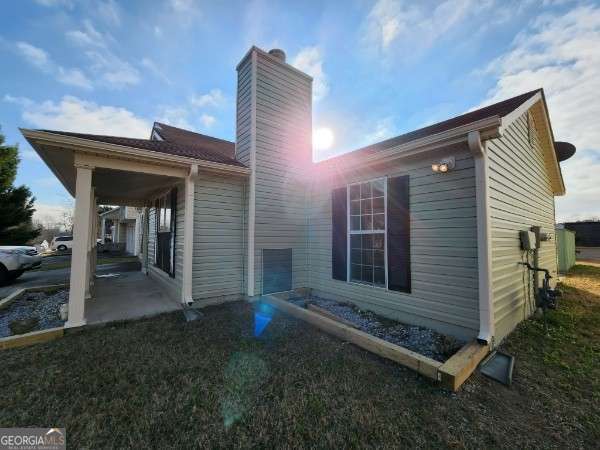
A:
x: 34, y: 55
x: 50, y: 3
x: 110, y: 12
x: 409, y: 28
x: 111, y: 70
x: 41, y: 59
x: 74, y: 114
x: 73, y: 77
x: 310, y: 61
x: 50, y: 215
x: 560, y: 54
x: 213, y: 98
x: 176, y: 116
x: 384, y: 129
x: 153, y: 67
x: 207, y: 120
x: 184, y: 6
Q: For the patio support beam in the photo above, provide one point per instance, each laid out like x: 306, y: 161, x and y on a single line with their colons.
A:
x: 188, y: 236
x: 103, y: 230
x: 81, y: 230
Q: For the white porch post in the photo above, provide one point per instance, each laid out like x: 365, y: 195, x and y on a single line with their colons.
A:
x: 188, y: 237
x: 103, y: 230
x: 79, y: 257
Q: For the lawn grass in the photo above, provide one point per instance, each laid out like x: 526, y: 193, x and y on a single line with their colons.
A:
x: 163, y: 382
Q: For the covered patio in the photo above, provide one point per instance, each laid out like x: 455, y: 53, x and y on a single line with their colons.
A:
x: 109, y: 173
x: 129, y: 295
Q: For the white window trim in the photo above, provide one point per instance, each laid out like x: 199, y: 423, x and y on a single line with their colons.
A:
x: 350, y: 232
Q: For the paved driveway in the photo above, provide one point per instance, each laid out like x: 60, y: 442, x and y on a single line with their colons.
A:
x: 43, y: 277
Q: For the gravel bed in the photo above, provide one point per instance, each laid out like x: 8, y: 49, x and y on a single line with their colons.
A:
x: 34, y: 304
x: 418, y: 339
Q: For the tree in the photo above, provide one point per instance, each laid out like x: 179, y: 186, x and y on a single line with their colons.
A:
x: 16, y: 203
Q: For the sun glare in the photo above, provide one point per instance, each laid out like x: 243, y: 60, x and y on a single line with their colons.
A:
x: 323, y: 138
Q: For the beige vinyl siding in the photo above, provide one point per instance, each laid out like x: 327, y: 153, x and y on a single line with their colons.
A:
x: 520, y: 197
x: 283, y: 147
x: 218, y: 258
x: 244, y: 106
x: 444, y: 274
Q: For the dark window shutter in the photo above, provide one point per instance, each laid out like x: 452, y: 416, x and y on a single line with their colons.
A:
x: 398, y: 234
x: 339, y: 232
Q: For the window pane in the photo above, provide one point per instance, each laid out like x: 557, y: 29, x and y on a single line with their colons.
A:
x: 355, y: 191
x: 378, y: 205
x: 355, y: 272
x: 378, y: 241
x: 378, y: 258
x: 355, y: 207
x: 365, y: 190
x: 379, y: 222
x: 379, y: 276
x: 377, y: 188
x: 356, y: 256
x: 367, y: 241
x: 366, y: 222
x: 367, y: 257
x: 355, y: 222
x: 355, y: 241
x: 365, y: 206
x: 367, y: 274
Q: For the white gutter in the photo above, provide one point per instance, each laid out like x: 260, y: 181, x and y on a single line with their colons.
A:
x: 484, y: 238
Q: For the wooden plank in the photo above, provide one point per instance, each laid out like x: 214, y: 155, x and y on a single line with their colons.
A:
x: 330, y: 315
x: 14, y: 295
x: 35, y: 337
x: 461, y: 365
x: 419, y: 363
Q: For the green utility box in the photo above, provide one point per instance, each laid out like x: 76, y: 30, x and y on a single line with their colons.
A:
x: 565, y: 248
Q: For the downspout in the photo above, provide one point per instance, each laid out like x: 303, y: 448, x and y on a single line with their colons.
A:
x: 484, y: 239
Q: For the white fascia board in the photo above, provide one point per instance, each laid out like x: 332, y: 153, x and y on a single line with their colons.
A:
x: 488, y: 128
x: 87, y: 145
x: 510, y: 118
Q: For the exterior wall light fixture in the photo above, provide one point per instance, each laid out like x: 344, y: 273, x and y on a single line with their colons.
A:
x: 445, y: 165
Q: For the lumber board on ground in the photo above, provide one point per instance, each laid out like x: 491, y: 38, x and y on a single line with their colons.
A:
x: 419, y: 363
x: 462, y: 364
x: 35, y: 337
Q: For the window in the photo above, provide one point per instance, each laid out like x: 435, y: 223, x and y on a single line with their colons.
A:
x: 165, y: 232
x: 367, y: 232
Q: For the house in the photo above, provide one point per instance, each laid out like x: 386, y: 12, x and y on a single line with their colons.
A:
x: 587, y: 239
x: 125, y: 226
x: 422, y: 228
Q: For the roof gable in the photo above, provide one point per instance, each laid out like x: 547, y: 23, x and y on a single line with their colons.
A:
x: 191, y: 139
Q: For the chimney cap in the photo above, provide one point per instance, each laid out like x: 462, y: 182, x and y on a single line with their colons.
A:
x: 277, y: 53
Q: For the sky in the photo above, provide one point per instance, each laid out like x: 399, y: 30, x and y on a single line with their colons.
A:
x: 380, y: 68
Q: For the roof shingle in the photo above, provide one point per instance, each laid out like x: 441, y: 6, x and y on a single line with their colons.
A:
x: 202, y: 152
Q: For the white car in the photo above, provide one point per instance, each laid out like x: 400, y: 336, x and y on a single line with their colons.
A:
x: 62, y: 243
x: 14, y: 260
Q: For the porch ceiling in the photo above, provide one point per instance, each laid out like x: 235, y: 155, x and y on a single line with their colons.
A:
x: 112, y: 185
x: 128, y: 188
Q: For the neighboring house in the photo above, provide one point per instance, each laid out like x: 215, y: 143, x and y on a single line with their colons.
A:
x: 422, y: 228
x: 126, y: 228
x: 587, y: 239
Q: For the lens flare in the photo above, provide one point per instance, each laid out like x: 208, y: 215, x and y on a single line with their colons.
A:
x: 323, y: 138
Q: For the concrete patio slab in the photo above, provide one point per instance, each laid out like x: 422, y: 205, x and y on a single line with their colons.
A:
x: 131, y: 295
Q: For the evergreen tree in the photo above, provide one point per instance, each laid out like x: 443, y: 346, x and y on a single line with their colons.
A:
x: 16, y: 203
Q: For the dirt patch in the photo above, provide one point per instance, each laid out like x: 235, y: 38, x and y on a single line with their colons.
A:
x: 422, y: 340
x: 34, y: 305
